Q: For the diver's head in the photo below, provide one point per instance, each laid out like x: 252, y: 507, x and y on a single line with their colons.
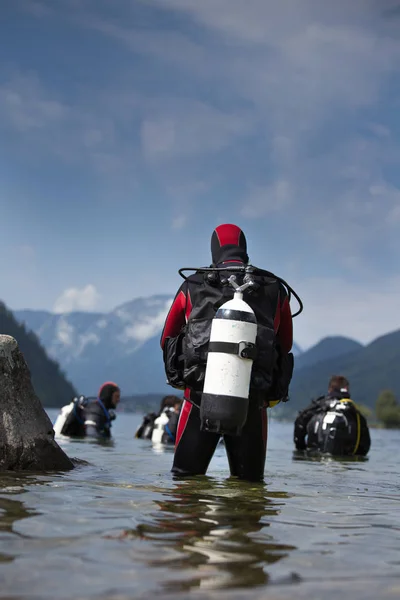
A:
x: 228, y: 243
x: 110, y: 394
x: 339, y: 385
x: 170, y: 401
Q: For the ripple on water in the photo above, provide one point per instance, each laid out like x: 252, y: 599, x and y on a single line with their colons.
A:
x: 121, y: 527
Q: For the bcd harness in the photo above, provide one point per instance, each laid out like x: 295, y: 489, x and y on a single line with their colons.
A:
x: 185, y: 355
x: 338, y: 407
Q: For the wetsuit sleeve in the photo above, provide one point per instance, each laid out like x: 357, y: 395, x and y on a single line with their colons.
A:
x: 176, y: 316
x: 365, y: 439
x: 285, y: 330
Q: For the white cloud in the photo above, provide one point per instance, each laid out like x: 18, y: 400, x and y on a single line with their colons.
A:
x: 179, y: 222
x: 147, y: 327
x: 75, y: 299
x: 84, y: 340
x: 264, y: 200
x: 26, y: 107
x: 178, y: 128
x: 65, y: 332
x: 335, y: 306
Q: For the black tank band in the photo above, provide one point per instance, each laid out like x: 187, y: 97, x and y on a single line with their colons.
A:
x: 242, y: 349
x: 236, y: 315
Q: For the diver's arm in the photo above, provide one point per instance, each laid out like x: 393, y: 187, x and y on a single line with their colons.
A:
x: 285, y: 330
x: 300, y: 426
x: 176, y: 316
x: 365, y: 439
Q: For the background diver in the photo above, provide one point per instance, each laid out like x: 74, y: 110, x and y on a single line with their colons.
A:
x: 90, y: 417
x: 332, y: 423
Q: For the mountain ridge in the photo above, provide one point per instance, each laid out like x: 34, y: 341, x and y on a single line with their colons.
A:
x: 48, y: 380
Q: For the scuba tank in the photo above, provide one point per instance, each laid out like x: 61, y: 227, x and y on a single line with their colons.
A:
x: 231, y: 351
x: 68, y: 415
x: 62, y: 417
x: 159, y: 427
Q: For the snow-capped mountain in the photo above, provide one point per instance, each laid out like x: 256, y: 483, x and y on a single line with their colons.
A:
x: 122, y: 345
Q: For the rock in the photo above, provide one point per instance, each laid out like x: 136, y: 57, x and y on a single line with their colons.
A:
x: 26, y: 432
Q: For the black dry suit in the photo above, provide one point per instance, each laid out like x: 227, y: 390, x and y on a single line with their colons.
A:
x: 332, y: 424
x: 99, y: 413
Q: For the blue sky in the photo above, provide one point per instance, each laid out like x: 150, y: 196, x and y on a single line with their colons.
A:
x: 130, y: 129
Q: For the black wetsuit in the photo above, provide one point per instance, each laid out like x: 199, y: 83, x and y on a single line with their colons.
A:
x: 331, y: 425
x: 99, y: 413
x: 194, y: 448
x: 98, y: 420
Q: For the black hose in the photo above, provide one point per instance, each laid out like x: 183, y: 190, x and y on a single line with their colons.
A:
x: 247, y: 269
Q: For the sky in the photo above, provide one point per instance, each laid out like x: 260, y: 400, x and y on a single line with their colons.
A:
x: 130, y: 129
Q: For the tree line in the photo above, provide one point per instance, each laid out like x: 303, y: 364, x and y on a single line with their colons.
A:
x: 388, y: 409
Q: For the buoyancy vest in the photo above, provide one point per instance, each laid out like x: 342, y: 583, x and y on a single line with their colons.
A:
x: 336, y: 427
x: 70, y: 421
x: 185, y: 356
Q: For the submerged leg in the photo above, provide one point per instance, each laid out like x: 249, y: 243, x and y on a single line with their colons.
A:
x: 247, y: 452
x: 194, y: 449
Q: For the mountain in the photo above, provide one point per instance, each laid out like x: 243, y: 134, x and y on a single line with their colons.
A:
x: 48, y: 380
x: 328, y: 348
x: 370, y: 369
x: 122, y: 345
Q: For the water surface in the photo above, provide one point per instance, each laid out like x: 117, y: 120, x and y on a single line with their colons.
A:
x: 122, y: 527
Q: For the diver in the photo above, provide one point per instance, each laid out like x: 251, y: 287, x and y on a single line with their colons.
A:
x: 166, y: 424
x: 100, y: 412
x: 170, y: 405
x: 190, y: 315
x: 332, y: 424
x: 89, y: 417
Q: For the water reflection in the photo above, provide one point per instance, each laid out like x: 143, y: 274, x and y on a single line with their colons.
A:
x: 215, y: 534
x: 316, y: 456
x: 12, y: 510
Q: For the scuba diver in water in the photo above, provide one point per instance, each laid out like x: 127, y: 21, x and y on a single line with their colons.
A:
x: 89, y: 417
x: 100, y: 413
x: 332, y: 424
x: 161, y: 426
x: 185, y: 342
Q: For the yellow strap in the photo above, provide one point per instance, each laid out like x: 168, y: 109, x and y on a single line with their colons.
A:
x: 358, y: 424
x: 358, y: 433
x: 273, y: 403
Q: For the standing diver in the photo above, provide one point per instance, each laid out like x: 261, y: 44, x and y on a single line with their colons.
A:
x: 186, y: 337
x: 332, y: 424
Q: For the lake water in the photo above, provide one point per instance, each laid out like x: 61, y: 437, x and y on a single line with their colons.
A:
x: 123, y: 528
